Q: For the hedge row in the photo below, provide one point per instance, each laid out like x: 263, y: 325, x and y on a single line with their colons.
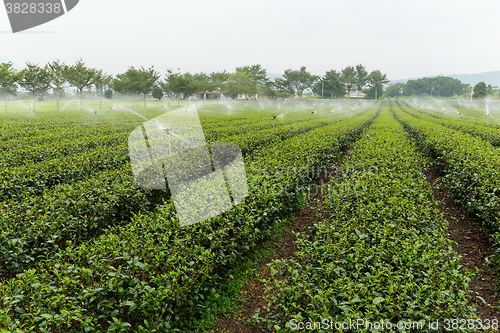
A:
x: 37, y: 226
x: 147, y: 275
x: 471, y: 165
x: 487, y: 133
x: 381, y: 255
x: 34, y: 178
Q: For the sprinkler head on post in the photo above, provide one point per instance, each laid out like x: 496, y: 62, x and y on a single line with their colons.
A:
x: 168, y: 135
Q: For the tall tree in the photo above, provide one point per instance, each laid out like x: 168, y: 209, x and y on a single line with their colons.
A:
x: 181, y: 84
x: 8, y: 79
x: 101, y: 81
x: 80, y: 76
x: 163, y: 85
x: 220, y: 79
x: 376, y: 78
x: 348, y: 79
x: 133, y: 82
x: 361, y: 77
x: 258, y: 74
x: 35, y: 80
x: 120, y: 85
x: 284, y: 87
x: 204, y: 85
x: 480, y: 90
x: 330, y: 84
x: 300, y: 80
x: 58, y: 76
x: 242, y: 84
x: 268, y: 89
x: 149, y: 78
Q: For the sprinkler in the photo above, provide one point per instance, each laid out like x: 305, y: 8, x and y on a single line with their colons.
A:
x: 329, y: 114
x: 95, y: 116
x: 168, y: 135
x: 312, y: 113
x: 274, y: 117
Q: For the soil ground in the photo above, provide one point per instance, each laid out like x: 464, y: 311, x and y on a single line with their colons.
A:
x: 471, y: 243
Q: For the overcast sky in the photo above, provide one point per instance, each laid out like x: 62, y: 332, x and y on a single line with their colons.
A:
x: 404, y: 39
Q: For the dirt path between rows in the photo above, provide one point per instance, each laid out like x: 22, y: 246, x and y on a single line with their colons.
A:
x: 472, y: 244
x: 253, y: 301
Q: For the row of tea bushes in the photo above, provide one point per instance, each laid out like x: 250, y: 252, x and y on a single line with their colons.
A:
x: 38, y: 152
x: 487, y: 133
x: 143, y: 275
x: 381, y: 255
x: 34, y: 178
x: 39, y: 225
x: 471, y: 165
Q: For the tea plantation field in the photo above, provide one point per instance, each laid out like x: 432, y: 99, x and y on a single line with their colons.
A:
x: 84, y: 249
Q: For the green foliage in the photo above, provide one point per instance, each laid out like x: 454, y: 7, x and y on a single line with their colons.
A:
x: 470, y: 165
x: 151, y: 275
x: 242, y: 84
x: 382, y: 255
x: 220, y: 79
x: 480, y: 90
x: 487, y: 133
x: 330, y: 85
x: 296, y: 81
x: 393, y: 90
x: 157, y: 94
x: 361, y: 77
x: 58, y: 77
x: 435, y: 86
x: 203, y: 84
x: 148, y: 79
x: 8, y: 79
x: 376, y: 79
x: 80, y: 76
x: 108, y: 93
x: 181, y: 85
x: 348, y: 79
x: 370, y: 92
x: 35, y: 80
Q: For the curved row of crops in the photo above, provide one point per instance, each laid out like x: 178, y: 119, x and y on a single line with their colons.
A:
x: 35, y: 227
x: 31, y: 169
x: 383, y: 252
x: 148, y: 275
x: 488, y: 133
x: 471, y: 165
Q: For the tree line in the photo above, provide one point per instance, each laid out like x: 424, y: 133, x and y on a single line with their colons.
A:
x: 440, y: 86
x: 246, y: 82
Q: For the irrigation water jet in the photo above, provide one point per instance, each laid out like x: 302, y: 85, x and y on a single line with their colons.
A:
x: 137, y: 114
x: 312, y: 113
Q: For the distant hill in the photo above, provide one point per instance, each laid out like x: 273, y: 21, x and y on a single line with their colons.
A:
x: 492, y: 78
